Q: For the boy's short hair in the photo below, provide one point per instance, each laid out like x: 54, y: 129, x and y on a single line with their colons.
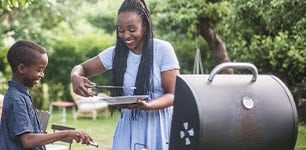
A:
x: 25, y: 52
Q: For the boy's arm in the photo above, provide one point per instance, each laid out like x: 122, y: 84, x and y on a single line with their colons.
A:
x: 30, y: 140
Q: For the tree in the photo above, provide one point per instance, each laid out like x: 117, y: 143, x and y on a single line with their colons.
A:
x: 270, y: 34
x: 198, y: 16
x: 105, y: 14
x: 37, y: 23
x: 34, y: 23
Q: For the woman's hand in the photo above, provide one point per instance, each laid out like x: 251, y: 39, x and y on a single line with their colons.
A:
x: 81, y: 73
x: 80, y: 85
x: 141, y: 104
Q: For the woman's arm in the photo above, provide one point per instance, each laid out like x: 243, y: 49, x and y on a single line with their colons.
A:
x: 168, y: 83
x: 80, y: 74
x: 166, y: 100
x: 89, y: 68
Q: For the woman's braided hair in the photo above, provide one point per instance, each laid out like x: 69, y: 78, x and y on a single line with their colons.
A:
x: 145, y: 71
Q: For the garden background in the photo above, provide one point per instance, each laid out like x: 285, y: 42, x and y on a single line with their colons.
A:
x: 270, y: 34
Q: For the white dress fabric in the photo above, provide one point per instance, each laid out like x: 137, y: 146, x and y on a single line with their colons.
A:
x: 151, y: 129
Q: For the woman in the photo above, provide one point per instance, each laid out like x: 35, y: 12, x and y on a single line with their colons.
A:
x: 137, y: 60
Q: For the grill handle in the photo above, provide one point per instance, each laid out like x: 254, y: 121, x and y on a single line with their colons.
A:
x: 236, y: 65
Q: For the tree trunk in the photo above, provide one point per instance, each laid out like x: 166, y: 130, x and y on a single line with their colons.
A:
x: 215, y: 43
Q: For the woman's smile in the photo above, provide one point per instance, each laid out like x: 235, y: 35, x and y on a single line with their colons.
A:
x: 129, y: 43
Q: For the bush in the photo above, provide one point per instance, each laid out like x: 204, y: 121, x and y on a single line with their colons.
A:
x: 67, y: 53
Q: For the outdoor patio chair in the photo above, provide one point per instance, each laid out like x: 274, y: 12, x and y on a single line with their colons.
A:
x: 88, y: 106
x: 69, y: 141
x: 43, y: 117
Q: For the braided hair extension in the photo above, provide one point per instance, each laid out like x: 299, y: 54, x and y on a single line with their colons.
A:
x: 144, y: 83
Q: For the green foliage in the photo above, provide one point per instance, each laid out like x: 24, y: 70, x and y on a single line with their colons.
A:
x: 5, y: 70
x: 3, y: 85
x: 186, y: 50
x: 40, y: 96
x: 176, y: 21
x: 175, y: 17
x: 104, y: 22
x: 67, y: 53
x: 8, y: 4
x: 104, y: 16
x: 37, y: 23
x: 270, y: 34
x: 181, y: 17
x: 4, y: 67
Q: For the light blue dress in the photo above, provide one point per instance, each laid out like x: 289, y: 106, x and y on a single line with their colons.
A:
x: 152, y: 128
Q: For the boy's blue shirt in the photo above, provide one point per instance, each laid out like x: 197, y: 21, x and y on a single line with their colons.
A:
x: 18, y: 117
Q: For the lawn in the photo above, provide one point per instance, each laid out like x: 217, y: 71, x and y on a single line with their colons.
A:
x: 301, y: 140
x: 102, y: 130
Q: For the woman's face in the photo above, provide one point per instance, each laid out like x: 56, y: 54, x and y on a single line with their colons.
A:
x: 131, y: 30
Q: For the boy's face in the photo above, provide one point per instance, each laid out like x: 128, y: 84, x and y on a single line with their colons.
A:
x: 33, y: 73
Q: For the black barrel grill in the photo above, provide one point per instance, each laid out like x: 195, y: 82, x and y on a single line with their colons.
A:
x: 233, y: 112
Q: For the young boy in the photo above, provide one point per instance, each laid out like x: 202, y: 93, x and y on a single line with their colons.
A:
x: 19, y: 128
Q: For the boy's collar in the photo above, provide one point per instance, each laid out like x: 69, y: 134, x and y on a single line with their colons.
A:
x: 19, y: 86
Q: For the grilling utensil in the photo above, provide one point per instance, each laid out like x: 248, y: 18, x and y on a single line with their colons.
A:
x: 114, y: 87
x: 97, y: 87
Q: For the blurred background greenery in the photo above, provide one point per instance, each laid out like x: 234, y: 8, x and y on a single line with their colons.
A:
x: 270, y: 34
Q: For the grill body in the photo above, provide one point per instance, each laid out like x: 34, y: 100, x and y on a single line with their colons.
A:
x: 233, y: 112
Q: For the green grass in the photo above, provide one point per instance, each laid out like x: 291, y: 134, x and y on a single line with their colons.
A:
x: 301, y: 140
x: 102, y: 129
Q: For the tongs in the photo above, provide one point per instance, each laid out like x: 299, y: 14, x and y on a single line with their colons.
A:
x: 97, y: 87
x: 114, y: 87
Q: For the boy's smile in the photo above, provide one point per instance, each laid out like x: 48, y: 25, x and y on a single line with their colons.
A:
x: 33, y: 73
